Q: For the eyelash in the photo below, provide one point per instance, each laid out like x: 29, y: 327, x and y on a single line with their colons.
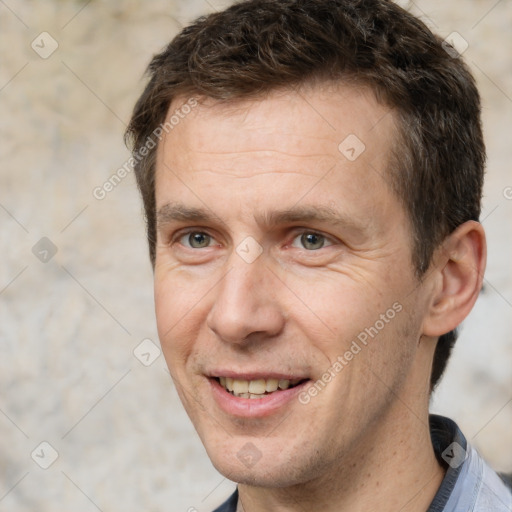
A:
x: 183, y: 234
x: 327, y: 240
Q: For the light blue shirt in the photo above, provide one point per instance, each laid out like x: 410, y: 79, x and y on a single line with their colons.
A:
x: 478, y: 488
x: 469, y: 485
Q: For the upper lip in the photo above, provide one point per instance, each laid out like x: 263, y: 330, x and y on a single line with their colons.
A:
x: 256, y: 375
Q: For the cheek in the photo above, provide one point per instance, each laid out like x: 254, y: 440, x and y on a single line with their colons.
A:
x: 178, y: 308
x: 339, y: 306
x: 357, y: 325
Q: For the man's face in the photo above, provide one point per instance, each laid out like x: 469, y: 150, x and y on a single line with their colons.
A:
x: 277, y: 250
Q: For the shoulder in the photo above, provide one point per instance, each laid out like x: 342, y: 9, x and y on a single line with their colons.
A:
x: 479, y: 488
x: 470, y: 485
x: 230, y: 504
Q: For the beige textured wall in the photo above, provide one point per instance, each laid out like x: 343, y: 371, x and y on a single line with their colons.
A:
x: 69, y: 325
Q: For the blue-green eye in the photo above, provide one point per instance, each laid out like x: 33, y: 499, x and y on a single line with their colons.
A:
x: 196, y: 240
x: 311, y: 241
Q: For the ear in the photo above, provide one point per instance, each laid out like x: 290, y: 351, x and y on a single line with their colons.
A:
x: 457, y: 275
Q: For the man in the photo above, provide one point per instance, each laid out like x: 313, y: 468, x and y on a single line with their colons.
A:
x: 311, y: 172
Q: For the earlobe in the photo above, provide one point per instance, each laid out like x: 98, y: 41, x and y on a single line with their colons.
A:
x: 459, y: 266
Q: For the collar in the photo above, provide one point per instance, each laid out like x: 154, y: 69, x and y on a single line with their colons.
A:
x: 468, y: 485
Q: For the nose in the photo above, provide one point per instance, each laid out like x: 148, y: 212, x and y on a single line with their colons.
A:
x: 246, y: 306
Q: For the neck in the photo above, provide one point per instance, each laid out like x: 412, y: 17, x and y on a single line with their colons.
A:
x: 393, y: 468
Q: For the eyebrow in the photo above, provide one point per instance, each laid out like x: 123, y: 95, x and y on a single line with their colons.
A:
x: 178, y: 212
x: 315, y: 214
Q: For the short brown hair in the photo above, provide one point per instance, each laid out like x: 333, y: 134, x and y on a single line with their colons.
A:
x: 256, y: 46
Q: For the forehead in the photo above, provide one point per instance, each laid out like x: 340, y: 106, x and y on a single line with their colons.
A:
x: 327, y: 141
x: 305, y: 115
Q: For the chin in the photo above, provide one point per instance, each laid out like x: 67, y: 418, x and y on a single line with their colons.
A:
x: 270, y: 467
x: 257, y: 476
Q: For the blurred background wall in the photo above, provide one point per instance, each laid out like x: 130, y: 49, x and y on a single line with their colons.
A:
x: 76, y: 285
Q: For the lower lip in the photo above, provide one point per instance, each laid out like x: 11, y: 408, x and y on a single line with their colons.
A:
x: 253, y: 407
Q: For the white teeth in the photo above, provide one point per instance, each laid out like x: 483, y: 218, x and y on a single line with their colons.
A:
x: 284, y: 384
x: 271, y: 385
x: 257, y: 386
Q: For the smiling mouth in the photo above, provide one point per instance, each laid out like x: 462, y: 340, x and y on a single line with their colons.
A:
x: 256, y: 388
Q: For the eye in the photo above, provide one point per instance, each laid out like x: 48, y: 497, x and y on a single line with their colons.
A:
x: 311, y: 241
x: 196, y: 240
